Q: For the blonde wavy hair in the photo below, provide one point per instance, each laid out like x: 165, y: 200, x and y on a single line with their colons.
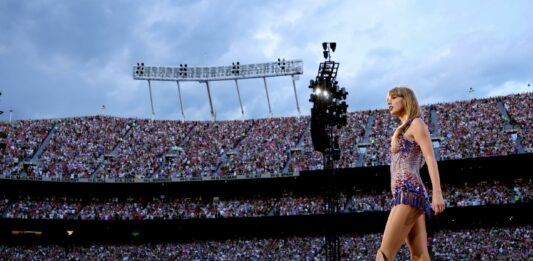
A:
x: 409, y: 103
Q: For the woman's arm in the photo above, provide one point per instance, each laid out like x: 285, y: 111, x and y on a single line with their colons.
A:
x: 421, y: 136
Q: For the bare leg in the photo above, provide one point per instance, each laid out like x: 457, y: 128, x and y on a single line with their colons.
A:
x: 417, y: 240
x: 401, y: 220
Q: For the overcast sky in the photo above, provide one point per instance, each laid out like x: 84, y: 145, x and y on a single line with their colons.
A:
x: 68, y: 58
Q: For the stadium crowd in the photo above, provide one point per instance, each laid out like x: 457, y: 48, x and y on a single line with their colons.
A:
x: 304, y: 157
x: 4, y: 202
x: 206, y: 148
x: 475, y: 194
x: 378, y: 146
x: 512, y: 243
x: 75, y: 149
x: 22, y: 141
x: 160, y: 208
x: 101, y: 146
x: 377, y: 152
x: 472, y: 129
x: 484, y: 244
x: 112, y: 147
x: 267, y: 146
x: 520, y: 110
x: 142, y: 151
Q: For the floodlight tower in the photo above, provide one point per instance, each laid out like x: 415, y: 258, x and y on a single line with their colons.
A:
x: 328, y: 112
x: 234, y: 72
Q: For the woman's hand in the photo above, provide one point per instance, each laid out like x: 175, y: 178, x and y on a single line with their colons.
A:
x: 437, y: 202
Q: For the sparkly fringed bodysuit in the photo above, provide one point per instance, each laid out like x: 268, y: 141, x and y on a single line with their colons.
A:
x: 406, y: 185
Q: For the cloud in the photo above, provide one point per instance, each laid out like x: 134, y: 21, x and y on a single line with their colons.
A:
x: 67, y: 58
x: 507, y: 88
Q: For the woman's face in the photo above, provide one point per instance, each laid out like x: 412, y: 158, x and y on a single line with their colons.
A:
x: 395, y: 104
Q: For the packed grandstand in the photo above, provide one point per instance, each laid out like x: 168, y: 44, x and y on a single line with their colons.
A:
x: 509, y: 244
x: 111, y: 147
x: 104, y: 150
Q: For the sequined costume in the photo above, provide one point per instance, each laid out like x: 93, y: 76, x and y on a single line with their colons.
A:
x: 406, y: 185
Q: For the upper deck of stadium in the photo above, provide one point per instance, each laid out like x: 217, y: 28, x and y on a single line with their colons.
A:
x: 106, y: 148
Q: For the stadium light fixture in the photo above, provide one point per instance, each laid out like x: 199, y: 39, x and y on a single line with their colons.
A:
x: 329, y: 106
x: 328, y: 113
x: 328, y: 46
x: 235, y: 71
x: 217, y: 73
x: 333, y: 46
x: 235, y: 68
x: 281, y: 64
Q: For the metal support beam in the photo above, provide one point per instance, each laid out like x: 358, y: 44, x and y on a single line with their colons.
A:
x: 151, y: 100
x: 210, y: 101
x: 181, y: 103
x: 240, y: 101
x: 296, y: 95
x: 219, y: 73
x: 268, y: 98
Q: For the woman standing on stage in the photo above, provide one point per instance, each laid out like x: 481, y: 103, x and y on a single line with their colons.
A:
x: 410, y: 147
